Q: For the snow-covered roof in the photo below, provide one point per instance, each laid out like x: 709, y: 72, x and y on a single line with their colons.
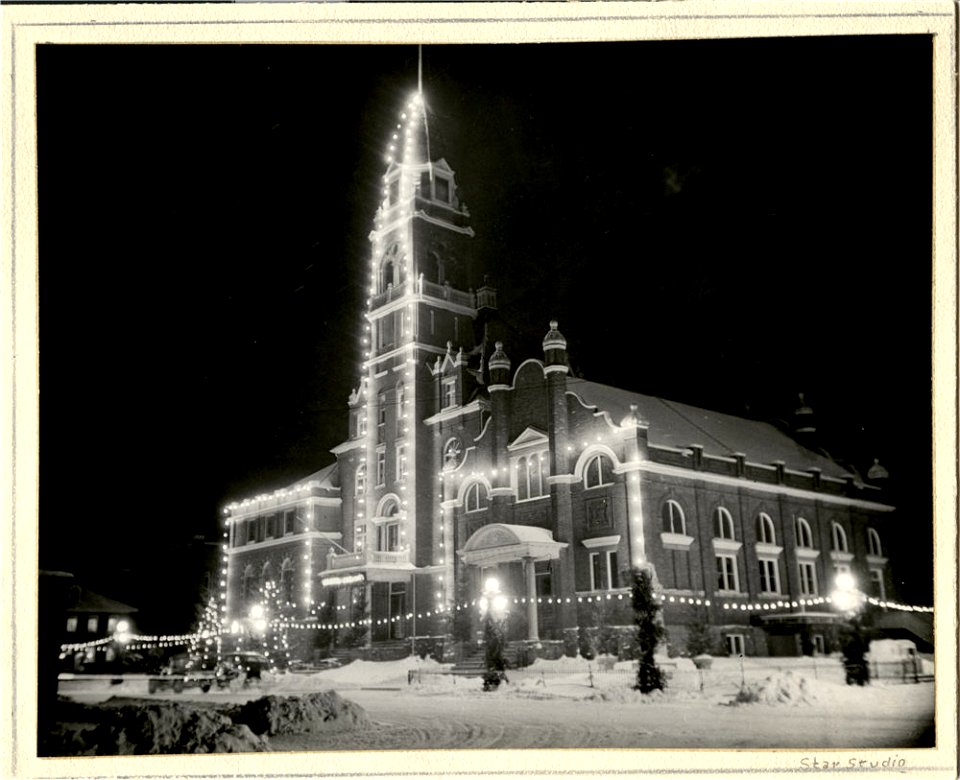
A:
x: 325, y: 476
x: 678, y: 425
x: 90, y: 602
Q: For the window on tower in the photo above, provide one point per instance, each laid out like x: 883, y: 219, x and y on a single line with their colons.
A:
x: 425, y: 185
x: 381, y: 466
x: 401, y: 462
x: 449, y: 393
x: 381, y: 417
x: 441, y: 189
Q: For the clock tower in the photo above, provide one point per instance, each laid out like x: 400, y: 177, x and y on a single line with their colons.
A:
x: 419, y: 340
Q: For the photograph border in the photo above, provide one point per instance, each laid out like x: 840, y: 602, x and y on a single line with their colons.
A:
x: 25, y: 27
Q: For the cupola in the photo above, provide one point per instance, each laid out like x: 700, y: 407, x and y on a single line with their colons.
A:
x: 499, y: 366
x: 554, y: 347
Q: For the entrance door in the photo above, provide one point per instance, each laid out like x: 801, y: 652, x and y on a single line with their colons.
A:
x: 398, y: 609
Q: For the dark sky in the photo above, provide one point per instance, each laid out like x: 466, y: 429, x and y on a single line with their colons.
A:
x: 725, y: 223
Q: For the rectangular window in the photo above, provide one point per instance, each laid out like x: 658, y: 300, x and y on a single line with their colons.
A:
x: 769, y: 576
x: 394, y: 191
x: 111, y: 625
x: 71, y: 624
x: 425, y: 184
x: 251, y: 530
x: 808, y: 578
x: 388, y: 537
x: 361, y: 424
x: 381, y: 417
x: 735, y: 644
x: 819, y: 646
x: 603, y: 570
x: 381, y: 466
x: 449, y: 393
x: 441, y: 189
x: 544, y: 578
x: 433, y: 323
x: 290, y: 521
x: 271, y: 526
x: 877, y: 589
x: 92, y: 625
x: 401, y: 462
x: 727, y: 578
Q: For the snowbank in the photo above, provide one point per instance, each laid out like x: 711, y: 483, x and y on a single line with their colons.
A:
x: 361, y: 674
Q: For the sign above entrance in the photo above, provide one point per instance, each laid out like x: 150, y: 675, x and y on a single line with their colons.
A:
x: 343, y: 579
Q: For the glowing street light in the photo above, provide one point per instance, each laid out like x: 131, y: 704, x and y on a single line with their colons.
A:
x: 258, y: 618
x: 122, y: 633
x: 493, y: 609
x: 846, y: 596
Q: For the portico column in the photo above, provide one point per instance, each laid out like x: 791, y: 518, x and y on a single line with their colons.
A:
x: 533, y: 632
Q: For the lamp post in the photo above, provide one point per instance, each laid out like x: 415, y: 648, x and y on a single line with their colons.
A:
x: 849, y: 600
x: 493, y: 611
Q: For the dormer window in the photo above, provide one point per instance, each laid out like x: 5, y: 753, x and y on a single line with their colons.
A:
x: 441, y: 189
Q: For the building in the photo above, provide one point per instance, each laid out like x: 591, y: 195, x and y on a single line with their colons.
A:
x: 90, y: 625
x: 461, y: 464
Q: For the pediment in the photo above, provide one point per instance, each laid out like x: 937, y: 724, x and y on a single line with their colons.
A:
x: 531, y: 437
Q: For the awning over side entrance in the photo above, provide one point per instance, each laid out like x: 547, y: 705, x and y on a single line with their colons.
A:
x: 501, y: 543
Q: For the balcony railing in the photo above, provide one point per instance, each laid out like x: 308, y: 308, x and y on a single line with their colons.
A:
x: 368, y: 557
x: 443, y: 292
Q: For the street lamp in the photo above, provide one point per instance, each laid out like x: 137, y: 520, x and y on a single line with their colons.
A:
x: 848, y: 599
x: 493, y: 610
x: 258, y: 618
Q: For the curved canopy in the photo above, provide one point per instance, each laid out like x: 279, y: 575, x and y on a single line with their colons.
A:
x: 500, y: 543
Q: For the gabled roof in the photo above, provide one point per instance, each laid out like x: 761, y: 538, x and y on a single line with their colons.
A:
x: 327, y: 477
x: 679, y: 425
x: 91, y: 602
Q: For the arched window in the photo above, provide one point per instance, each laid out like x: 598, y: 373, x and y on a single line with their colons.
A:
x: 873, y: 543
x: 361, y: 480
x: 765, y: 530
x: 673, y: 519
x: 389, y: 508
x: 286, y: 581
x: 597, y: 472
x: 266, y: 575
x: 839, y: 538
x: 804, y: 534
x: 722, y: 524
x: 475, y: 498
x: 248, y: 584
x: 532, y: 471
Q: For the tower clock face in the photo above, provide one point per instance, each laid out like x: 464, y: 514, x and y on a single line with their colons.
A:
x: 453, y: 453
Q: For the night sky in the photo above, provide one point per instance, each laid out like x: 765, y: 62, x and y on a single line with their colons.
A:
x: 724, y: 223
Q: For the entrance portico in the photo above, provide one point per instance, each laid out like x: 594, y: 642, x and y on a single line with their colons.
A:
x: 501, y: 543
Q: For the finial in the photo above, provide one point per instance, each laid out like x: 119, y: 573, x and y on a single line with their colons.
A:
x: 498, y: 345
x: 553, y: 324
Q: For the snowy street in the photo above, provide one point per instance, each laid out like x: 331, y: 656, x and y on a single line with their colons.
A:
x: 553, y: 704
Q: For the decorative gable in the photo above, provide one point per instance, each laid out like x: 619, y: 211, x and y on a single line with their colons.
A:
x: 531, y: 437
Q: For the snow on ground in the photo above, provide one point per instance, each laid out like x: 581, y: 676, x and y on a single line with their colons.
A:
x: 574, y: 703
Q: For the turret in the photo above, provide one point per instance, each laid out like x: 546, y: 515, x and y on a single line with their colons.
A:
x: 554, y: 350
